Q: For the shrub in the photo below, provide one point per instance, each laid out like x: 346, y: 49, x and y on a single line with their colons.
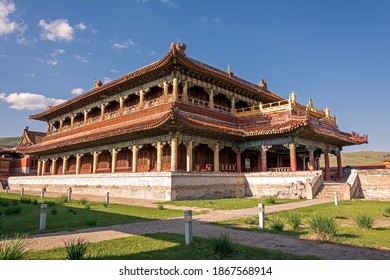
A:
x: 270, y: 199
x: 54, y: 211
x: 83, y: 201
x: 223, y: 245
x: 294, y: 220
x: 323, y: 227
x: 34, y: 201
x: 62, y: 200
x: 72, y: 211
x: 25, y: 200
x: 277, y: 223
x: 50, y: 202
x: 251, y: 221
x: 13, y: 210
x: 364, y: 221
x: 87, y: 206
x: 387, y: 212
x: 160, y: 207
x: 76, y: 248
x: 14, y: 202
x: 4, y: 203
x: 14, y: 249
x: 91, y: 223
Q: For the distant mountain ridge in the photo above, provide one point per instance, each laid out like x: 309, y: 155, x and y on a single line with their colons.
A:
x: 9, y: 141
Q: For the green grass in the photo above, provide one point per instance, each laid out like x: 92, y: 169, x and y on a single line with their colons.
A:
x: 162, y: 246
x: 73, y: 215
x: 347, y: 231
x: 226, y: 203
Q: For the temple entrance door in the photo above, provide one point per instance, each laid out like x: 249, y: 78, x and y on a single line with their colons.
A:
x: 249, y: 161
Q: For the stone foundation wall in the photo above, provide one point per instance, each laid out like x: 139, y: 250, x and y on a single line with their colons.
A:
x: 139, y: 185
x: 375, y: 183
x: 171, y: 186
x: 207, y: 185
x: 279, y: 184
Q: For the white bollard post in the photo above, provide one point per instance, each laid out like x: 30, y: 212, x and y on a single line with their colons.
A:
x: 336, y: 199
x: 188, y: 226
x: 6, y: 189
x: 261, y: 215
x: 22, y: 192
x: 42, y: 222
x: 43, y: 193
x: 107, y: 199
x: 69, y: 194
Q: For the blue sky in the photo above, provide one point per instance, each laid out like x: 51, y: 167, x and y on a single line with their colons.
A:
x: 335, y: 52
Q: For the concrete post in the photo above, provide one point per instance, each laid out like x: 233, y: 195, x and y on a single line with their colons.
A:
x: 22, y: 192
x: 261, y: 209
x: 188, y: 226
x: 107, y: 199
x: 42, y: 220
x: 336, y: 199
x: 69, y: 194
x: 43, y: 193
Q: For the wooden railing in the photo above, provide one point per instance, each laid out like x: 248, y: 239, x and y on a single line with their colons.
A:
x: 198, y: 102
x: 227, y: 167
x: 123, y: 169
x: 280, y: 169
x: 222, y: 109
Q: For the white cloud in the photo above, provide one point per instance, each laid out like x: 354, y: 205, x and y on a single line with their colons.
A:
x: 53, y: 62
x: 152, y: 53
x: 114, y: 71
x: 29, y: 101
x: 77, y: 91
x: 81, y: 26
x: 124, y: 45
x: 57, y: 52
x: 80, y: 58
x: 7, y: 26
x: 170, y: 3
x: 58, y: 30
x: 106, y: 80
x: 30, y: 75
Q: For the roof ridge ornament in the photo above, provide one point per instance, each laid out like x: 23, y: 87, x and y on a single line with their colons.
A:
x: 230, y: 73
x: 178, y: 47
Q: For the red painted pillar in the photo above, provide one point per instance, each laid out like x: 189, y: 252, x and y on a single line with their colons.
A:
x: 293, y: 158
x: 259, y: 162
x: 264, y: 166
x: 238, y: 162
x: 311, y: 160
x: 327, y: 167
x: 339, y: 167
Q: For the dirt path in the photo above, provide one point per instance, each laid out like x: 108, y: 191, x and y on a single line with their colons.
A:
x: 202, y: 229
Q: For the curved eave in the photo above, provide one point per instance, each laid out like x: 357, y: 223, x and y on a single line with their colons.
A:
x: 103, y: 136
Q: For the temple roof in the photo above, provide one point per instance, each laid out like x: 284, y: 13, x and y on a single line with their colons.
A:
x: 179, y: 117
x: 176, y: 57
x: 31, y: 137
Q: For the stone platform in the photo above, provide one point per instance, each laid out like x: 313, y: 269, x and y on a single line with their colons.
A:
x: 172, y: 185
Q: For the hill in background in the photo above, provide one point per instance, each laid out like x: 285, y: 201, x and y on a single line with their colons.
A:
x: 9, y: 141
x: 357, y: 158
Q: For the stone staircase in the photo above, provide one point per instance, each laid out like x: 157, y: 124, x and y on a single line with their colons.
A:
x: 328, y: 189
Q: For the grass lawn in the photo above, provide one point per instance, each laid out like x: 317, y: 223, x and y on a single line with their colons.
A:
x: 74, y: 215
x: 226, y: 203
x: 347, y: 233
x: 162, y: 246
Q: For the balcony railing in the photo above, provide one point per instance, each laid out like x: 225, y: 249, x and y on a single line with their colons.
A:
x: 198, y: 102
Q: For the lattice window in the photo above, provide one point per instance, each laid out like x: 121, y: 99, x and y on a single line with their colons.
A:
x: 104, y: 162
x: 122, y: 160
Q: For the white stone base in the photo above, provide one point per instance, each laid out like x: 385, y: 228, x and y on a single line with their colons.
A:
x: 171, y: 185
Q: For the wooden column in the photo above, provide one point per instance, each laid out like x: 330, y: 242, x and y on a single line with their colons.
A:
x: 339, y: 167
x: 259, y: 162
x: 72, y: 120
x: 95, y: 161
x: 85, y: 116
x: 189, y: 156
x: 165, y: 91
x: 44, y: 166
x: 216, y: 158
x: 327, y: 166
x: 238, y: 161
x: 233, y: 106
x: 78, y: 163
x: 175, y: 85
x: 114, y: 156
x: 61, y: 124
x: 53, y: 166
x: 135, y: 158
x: 211, y: 99
x: 64, y: 164
x: 159, y: 156
x: 39, y: 167
x: 293, y: 157
x: 185, y: 93
x: 264, y: 165
x: 102, y: 107
x: 174, y: 154
x: 311, y: 160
